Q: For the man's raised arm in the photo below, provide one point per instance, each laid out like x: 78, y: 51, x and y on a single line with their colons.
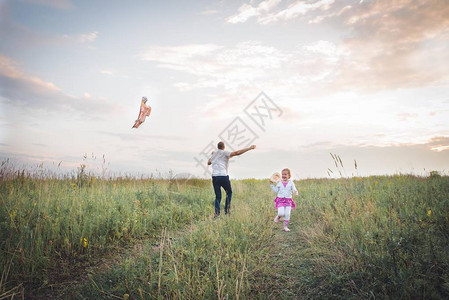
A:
x: 240, y: 152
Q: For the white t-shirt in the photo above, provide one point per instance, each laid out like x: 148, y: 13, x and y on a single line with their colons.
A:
x: 220, y: 161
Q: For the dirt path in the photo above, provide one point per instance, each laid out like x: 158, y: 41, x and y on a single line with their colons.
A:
x: 286, y: 262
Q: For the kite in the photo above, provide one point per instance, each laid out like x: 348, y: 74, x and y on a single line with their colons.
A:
x: 144, y: 112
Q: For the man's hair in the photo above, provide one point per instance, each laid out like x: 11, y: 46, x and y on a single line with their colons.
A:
x: 220, y: 145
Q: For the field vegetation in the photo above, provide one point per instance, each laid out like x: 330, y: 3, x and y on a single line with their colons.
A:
x: 87, y: 237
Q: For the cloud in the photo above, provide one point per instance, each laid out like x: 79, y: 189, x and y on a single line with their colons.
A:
x: 83, y: 38
x: 386, y: 45
x: 88, y: 38
x: 32, y: 93
x: 247, y: 11
x: 182, y: 57
x: 299, y: 8
x: 15, y: 35
x: 315, y: 160
x: 439, y: 144
x: 320, y: 18
x: 264, y: 13
x: 216, y: 65
x: 107, y: 72
x: 208, y: 12
x: 391, y: 44
x: 406, y: 116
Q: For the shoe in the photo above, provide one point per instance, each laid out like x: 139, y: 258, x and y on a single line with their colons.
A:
x: 276, y: 219
x: 286, y: 229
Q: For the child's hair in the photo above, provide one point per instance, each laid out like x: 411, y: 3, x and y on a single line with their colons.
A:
x: 288, y: 171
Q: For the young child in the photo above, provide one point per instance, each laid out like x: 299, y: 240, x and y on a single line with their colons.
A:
x: 284, y: 201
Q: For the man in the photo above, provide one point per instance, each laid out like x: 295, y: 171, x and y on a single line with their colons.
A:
x: 220, y: 178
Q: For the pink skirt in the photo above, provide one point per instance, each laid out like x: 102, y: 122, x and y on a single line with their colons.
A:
x: 282, y: 202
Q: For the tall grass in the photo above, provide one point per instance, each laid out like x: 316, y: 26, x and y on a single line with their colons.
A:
x: 374, y: 237
x: 46, y: 222
x: 214, y: 259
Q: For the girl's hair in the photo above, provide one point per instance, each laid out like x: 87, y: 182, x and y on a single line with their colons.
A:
x: 288, y: 171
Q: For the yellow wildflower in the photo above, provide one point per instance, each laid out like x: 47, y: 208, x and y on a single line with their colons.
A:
x: 429, y: 212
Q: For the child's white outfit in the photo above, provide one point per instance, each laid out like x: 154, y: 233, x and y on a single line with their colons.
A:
x: 284, y: 202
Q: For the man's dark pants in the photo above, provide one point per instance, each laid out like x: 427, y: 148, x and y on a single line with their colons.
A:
x: 218, y: 183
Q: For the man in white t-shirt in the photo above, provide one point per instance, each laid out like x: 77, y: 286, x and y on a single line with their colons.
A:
x: 220, y: 178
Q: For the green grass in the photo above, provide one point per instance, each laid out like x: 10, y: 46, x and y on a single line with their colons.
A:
x: 49, y: 223
x: 375, y: 237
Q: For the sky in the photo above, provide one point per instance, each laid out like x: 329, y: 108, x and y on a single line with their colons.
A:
x: 365, y: 80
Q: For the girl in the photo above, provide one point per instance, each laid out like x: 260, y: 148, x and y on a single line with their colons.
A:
x: 284, y: 201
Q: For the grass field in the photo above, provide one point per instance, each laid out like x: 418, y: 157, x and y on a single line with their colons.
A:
x: 83, y: 237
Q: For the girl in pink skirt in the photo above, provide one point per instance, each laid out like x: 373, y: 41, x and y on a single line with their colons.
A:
x: 284, y: 202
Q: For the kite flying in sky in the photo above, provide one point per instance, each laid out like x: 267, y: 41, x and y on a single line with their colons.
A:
x: 144, y: 112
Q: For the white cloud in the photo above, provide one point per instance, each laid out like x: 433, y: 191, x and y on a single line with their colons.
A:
x: 440, y: 148
x: 320, y: 18
x: 88, y: 37
x: 20, y: 89
x: 247, y: 11
x: 83, y: 37
x: 223, y: 65
x: 183, y: 86
x: 295, y: 10
x: 107, y: 72
x: 387, y: 44
x: 264, y: 11
x: 208, y: 12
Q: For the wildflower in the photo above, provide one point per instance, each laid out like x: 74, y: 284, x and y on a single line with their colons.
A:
x: 376, y: 183
x: 429, y: 212
x: 84, y: 243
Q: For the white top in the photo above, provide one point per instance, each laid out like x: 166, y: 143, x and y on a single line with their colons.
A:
x: 284, y: 192
x: 220, y: 161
